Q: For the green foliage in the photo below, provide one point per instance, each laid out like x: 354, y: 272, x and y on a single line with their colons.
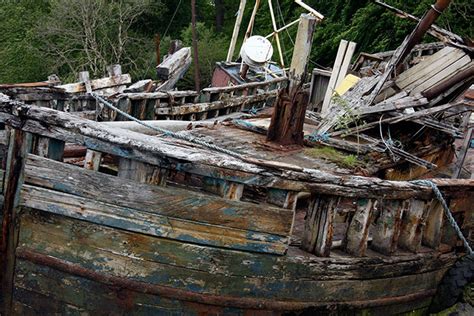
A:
x: 335, y: 156
x: 40, y: 37
x: 20, y: 58
x: 211, y: 49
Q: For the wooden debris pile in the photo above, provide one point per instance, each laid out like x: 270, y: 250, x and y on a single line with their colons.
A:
x: 405, y: 104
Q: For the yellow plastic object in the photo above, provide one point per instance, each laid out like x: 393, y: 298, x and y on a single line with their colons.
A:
x: 348, y: 82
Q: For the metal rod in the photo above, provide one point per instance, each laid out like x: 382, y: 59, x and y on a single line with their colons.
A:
x: 425, y: 23
x: 277, y: 37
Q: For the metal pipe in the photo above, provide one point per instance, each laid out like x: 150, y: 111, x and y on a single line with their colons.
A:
x: 423, y: 26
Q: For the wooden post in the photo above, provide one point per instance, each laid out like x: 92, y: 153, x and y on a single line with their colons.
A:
x: 318, y: 227
x: 252, y: 20
x: 235, y: 33
x: 286, y: 127
x: 197, y: 77
x: 20, y: 144
x: 462, y: 153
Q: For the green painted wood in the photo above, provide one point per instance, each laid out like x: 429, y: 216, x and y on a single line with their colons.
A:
x: 386, y: 228
x: 133, y: 269
x: 45, y: 291
x: 165, y: 201
x: 149, y: 222
x: 43, y: 230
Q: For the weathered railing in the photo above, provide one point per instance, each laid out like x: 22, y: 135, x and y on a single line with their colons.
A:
x: 178, y: 105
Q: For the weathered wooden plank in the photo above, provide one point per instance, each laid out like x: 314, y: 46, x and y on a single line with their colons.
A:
x: 448, y: 72
x: 97, y: 83
x: 200, y: 161
x: 434, y: 222
x: 165, y: 201
x: 149, y: 222
x: 413, y: 220
x: 431, y: 65
x: 140, y: 86
x: 49, y: 291
x: 334, y: 75
x: 43, y: 232
x: 357, y: 234
x: 386, y: 229
x: 201, y: 107
x: 171, y: 64
x: 92, y: 160
x: 141, y: 172
x: 125, y: 105
x: 318, y: 228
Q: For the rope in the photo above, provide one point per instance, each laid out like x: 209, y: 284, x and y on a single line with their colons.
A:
x: 315, y: 136
x: 172, y: 18
x: 388, y: 143
x: 168, y: 132
x: 447, y: 211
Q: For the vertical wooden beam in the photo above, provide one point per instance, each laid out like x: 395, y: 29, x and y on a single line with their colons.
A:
x: 282, y: 198
x: 318, y: 227
x: 334, y: 76
x: 434, y: 223
x: 346, y: 63
x: 235, y: 33
x: 93, y: 159
x: 386, y: 230
x: 141, y: 172
x: 357, y: 234
x: 462, y: 153
x: 413, y: 221
x: 20, y: 145
x: 286, y: 126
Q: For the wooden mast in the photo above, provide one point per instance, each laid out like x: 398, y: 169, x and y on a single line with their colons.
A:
x: 286, y: 127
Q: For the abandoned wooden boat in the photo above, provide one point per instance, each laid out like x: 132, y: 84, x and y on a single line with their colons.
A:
x: 182, y: 228
x: 218, y: 220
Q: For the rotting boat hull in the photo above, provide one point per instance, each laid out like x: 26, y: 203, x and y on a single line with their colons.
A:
x: 147, y: 240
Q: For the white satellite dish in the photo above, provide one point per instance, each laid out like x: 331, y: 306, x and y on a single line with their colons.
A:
x: 256, y: 51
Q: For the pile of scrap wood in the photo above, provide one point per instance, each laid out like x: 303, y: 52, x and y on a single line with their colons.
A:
x: 407, y: 110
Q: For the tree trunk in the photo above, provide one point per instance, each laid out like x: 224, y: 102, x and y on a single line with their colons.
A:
x: 220, y: 11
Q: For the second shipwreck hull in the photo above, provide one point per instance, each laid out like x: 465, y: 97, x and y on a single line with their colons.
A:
x: 174, y: 229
